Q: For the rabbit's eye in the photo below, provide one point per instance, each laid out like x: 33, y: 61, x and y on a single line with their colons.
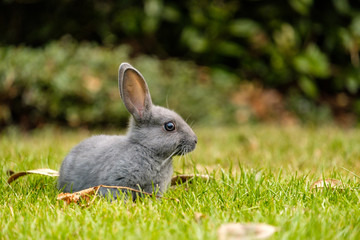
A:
x: 169, y: 126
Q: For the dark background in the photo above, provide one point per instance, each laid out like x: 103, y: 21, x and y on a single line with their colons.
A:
x: 221, y: 62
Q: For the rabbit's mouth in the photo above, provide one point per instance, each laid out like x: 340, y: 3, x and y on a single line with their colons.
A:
x: 184, y: 149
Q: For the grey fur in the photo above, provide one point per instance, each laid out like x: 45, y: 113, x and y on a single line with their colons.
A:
x: 142, y: 159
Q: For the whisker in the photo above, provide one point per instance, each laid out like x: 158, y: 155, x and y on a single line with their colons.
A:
x: 187, y: 118
x: 168, y: 158
x: 167, y: 102
x: 183, y: 153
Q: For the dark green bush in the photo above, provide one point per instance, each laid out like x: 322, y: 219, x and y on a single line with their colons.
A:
x: 309, y: 45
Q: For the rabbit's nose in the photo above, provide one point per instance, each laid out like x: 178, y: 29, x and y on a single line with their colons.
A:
x: 195, y: 140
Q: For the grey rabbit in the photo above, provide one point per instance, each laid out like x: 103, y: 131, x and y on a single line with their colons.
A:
x: 142, y: 159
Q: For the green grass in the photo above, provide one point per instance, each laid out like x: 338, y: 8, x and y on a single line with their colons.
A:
x: 262, y: 174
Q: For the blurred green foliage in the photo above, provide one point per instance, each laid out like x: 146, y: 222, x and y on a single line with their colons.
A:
x: 307, y: 49
x: 76, y: 84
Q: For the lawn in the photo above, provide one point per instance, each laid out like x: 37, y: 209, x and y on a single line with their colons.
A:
x: 261, y: 174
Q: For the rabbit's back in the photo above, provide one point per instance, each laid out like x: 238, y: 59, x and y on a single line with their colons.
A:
x: 90, y: 162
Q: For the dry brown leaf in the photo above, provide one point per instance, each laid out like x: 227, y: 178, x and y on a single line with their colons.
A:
x: 85, y: 194
x: 327, y: 183
x: 10, y: 172
x: 199, y: 216
x: 43, y: 171
x: 77, y: 196
x: 180, y: 179
x: 232, y: 231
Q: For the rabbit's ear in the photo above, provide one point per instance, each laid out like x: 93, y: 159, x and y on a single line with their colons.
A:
x: 134, y: 92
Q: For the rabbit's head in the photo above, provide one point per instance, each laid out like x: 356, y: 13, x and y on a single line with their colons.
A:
x: 155, y: 128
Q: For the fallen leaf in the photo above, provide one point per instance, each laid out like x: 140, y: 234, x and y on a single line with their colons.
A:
x: 327, y: 183
x: 43, y: 171
x: 199, y: 216
x: 180, y: 179
x: 77, y: 196
x: 253, y: 231
x: 10, y: 172
x: 84, y: 195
